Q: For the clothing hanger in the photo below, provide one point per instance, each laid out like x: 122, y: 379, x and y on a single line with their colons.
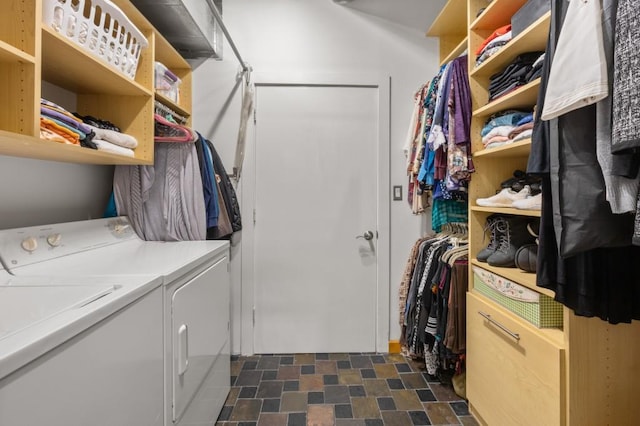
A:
x: 166, y: 131
x: 168, y: 113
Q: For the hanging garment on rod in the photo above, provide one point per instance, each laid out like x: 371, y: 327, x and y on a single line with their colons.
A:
x: 596, y: 282
x: 227, y: 193
x: 438, y: 147
x: 432, y: 311
x: 164, y: 201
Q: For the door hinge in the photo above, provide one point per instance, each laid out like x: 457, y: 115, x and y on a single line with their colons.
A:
x: 254, y: 316
x: 254, y: 216
x: 254, y: 115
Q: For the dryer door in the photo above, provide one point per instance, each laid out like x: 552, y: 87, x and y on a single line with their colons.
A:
x: 199, y: 324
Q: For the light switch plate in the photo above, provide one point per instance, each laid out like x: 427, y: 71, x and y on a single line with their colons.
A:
x: 397, y: 193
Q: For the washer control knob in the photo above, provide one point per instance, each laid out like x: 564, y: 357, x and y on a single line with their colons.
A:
x: 54, y: 240
x: 30, y: 244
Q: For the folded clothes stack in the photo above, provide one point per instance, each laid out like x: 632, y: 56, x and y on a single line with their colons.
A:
x: 109, y: 138
x: 492, y: 44
x: 524, y: 69
x: 59, y: 125
x: 507, y: 127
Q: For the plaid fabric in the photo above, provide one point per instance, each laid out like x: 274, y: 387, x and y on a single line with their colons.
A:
x: 626, y: 91
x: 447, y: 211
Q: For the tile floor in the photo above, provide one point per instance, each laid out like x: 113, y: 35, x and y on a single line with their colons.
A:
x: 338, y: 389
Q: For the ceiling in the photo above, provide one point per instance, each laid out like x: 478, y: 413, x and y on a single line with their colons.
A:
x: 417, y: 14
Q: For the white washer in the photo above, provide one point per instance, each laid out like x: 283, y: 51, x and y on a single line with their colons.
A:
x: 195, y: 278
x: 72, y: 349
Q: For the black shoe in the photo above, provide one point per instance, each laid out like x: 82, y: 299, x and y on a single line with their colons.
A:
x: 513, y: 234
x: 492, y: 224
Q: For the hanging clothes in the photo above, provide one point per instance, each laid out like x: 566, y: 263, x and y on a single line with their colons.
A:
x: 218, y: 189
x: 438, y: 146
x: 164, y: 201
x: 432, y: 311
x: 598, y: 281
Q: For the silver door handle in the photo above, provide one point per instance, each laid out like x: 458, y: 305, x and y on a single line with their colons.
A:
x: 367, y: 236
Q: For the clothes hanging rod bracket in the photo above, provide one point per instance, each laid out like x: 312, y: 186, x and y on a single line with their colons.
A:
x: 246, y: 68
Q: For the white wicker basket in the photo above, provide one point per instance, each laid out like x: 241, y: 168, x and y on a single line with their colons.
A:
x: 99, y: 27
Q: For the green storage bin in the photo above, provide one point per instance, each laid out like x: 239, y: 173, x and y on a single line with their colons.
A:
x: 539, y: 309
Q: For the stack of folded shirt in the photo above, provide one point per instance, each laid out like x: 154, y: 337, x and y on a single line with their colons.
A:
x: 108, y: 137
x: 492, y: 44
x: 517, y: 74
x: 536, y: 68
x: 59, y: 125
x: 506, y: 127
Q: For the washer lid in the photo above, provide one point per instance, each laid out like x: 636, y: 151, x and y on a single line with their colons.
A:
x: 25, y: 306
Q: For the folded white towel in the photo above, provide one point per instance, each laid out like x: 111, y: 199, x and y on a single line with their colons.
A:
x: 113, y: 148
x: 117, y: 138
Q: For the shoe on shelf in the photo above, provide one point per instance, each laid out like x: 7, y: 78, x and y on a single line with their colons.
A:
x: 527, y: 257
x: 492, y: 227
x: 530, y: 203
x: 517, y: 176
x: 512, y: 234
x: 504, y: 198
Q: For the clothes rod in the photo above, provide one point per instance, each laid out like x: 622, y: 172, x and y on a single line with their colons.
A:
x: 216, y: 13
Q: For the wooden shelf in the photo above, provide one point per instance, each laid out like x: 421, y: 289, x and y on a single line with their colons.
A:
x: 506, y: 210
x: 174, y: 106
x: 524, y: 97
x: 457, y: 51
x: 67, y: 65
x: 11, y: 54
x: 497, y: 14
x: 515, y: 149
x: 532, y: 39
x: 13, y: 144
x: 452, y: 20
x: 518, y: 276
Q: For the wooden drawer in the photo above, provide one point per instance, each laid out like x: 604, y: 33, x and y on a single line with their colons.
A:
x: 511, y: 380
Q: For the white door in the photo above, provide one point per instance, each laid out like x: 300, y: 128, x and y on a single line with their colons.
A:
x: 316, y: 190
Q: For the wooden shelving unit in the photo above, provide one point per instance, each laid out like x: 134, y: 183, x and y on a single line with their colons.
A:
x: 548, y: 376
x: 32, y: 52
x: 450, y: 26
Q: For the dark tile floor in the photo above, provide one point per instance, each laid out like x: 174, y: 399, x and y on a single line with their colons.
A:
x: 338, y: 389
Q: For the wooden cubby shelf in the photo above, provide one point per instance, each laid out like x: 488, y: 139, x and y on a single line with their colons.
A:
x: 10, y: 54
x: 32, y: 53
x: 515, y: 149
x: 532, y: 39
x: 506, y: 210
x: 524, y: 97
x: 497, y: 14
x: 66, y: 65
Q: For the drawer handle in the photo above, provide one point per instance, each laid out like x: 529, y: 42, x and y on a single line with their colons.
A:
x: 500, y: 326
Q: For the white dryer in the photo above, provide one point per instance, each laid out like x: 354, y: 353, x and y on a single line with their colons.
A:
x: 73, y: 348
x: 195, y: 282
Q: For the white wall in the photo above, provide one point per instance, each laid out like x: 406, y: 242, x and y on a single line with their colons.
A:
x: 297, y: 37
x: 35, y: 192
